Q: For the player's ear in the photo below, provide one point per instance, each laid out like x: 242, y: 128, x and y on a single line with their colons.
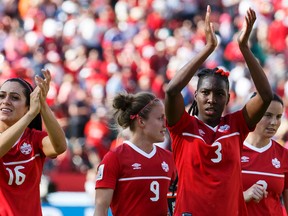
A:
x: 228, y: 99
x: 141, y: 122
x: 195, y: 95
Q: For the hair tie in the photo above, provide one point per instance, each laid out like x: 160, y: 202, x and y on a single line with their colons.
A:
x: 221, y: 72
x: 133, y: 116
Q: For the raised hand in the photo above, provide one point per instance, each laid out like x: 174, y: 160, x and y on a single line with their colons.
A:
x: 247, y: 27
x: 209, y: 29
x: 35, y: 105
x: 43, y: 84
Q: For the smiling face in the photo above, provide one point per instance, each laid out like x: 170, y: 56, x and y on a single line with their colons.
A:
x: 211, y: 96
x: 270, y: 122
x: 13, y: 102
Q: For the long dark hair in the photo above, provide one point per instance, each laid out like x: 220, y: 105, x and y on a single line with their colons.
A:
x: 36, y: 123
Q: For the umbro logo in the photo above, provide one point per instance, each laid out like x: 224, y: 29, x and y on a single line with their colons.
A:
x: 244, y: 159
x: 201, y: 132
x: 136, y: 166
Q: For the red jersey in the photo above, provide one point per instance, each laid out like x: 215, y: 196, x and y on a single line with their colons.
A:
x: 267, y: 166
x: 140, y: 180
x: 208, y: 165
x: 20, y: 175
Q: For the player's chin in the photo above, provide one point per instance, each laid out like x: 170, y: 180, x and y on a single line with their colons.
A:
x: 270, y: 134
x: 160, y: 139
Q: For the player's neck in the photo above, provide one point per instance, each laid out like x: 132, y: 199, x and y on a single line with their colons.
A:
x: 257, y: 141
x: 141, y: 143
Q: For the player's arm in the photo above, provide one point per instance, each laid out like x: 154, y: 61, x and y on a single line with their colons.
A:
x: 55, y: 143
x: 103, y: 198
x: 256, y: 107
x: 285, y: 199
x: 174, y: 102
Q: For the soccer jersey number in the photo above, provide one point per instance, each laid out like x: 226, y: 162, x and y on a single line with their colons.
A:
x: 16, y: 176
x: 263, y: 183
x: 154, y: 187
x: 217, y: 152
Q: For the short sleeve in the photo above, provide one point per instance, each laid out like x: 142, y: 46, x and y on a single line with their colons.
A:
x: 107, y: 172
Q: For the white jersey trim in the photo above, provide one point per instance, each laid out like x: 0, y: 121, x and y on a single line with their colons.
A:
x: 144, y: 177
x: 263, y: 173
x: 260, y: 150
x: 140, y: 151
x: 199, y: 137
x: 192, y: 135
x: 21, y: 162
x: 212, y: 128
x: 229, y: 135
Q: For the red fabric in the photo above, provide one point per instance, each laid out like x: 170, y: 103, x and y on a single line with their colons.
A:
x: 232, y: 52
x: 277, y: 34
x: 95, y: 132
x: 140, y: 180
x: 208, y: 164
x: 154, y: 21
x: 270, y: 165
x: 20, y: 170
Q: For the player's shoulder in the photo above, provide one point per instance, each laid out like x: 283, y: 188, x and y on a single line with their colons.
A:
x: 33, y: 134
x: 165, y: 152
x: 125, y: 146
x: 279, y: 146
x: 119, y: 151
x: 159, y: 148
x: 233, y: 115
x: 29, y: 134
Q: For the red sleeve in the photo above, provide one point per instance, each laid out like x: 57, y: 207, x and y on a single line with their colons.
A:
x: 107, y: 172
x: 37, y: 137
x: 239, y: 121
x: 182, y: 123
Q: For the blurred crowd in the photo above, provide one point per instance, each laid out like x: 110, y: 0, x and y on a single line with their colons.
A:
x: 97, y: 48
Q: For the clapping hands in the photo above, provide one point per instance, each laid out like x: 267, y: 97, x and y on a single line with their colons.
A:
x: 209, y: 29
x: 244, y: 34
x: 43, y: 84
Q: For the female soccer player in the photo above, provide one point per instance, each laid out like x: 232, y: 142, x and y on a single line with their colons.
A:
x: 207, y: 145
x: 265, y: 165
x: 134, y: 178
x: 23, y: 144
